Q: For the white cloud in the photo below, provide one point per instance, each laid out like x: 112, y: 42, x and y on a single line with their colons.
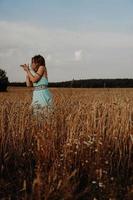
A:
x: 101, y: 54
x: 78, y: 55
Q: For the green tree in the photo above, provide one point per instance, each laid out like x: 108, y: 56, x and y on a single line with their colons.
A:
x: 3, y: 80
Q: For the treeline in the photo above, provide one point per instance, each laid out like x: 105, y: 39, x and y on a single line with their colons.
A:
x: 87, y: 83
x: 3, y: 81
x: 17, y: 84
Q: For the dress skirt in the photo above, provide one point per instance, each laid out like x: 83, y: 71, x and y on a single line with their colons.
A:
x: 41, y: 100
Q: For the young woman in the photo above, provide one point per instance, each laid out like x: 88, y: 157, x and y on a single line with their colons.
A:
x: 38, y: 78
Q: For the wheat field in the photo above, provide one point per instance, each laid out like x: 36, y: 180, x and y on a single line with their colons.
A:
x: 82, y: 150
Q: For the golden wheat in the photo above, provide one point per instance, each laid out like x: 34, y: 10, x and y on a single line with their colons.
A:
x: 83, y: 148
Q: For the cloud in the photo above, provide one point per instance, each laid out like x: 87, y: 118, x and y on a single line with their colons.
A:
x: 101, y: 54
x: 78, y: 55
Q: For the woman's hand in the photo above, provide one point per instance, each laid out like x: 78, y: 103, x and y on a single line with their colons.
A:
x: 25, y: 67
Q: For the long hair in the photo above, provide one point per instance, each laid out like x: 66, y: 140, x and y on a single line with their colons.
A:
x: 38, y: 60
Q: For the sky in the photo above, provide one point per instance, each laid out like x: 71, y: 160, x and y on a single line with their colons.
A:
x: 79, y: 39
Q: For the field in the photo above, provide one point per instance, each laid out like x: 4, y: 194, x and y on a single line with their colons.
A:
x: 81, y: 150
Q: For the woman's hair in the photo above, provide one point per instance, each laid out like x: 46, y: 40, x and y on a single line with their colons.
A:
x: 38, y: 60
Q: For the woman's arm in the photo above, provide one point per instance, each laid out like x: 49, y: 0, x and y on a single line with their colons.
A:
x: 28, y: 82
x: 37, y: 76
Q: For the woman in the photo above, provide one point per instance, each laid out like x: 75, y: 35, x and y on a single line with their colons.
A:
x: 38, y: 78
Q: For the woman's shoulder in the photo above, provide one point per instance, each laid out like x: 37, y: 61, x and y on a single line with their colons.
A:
x: 43, y: 69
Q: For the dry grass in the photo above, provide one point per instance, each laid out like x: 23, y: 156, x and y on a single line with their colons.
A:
x: 82, y: 150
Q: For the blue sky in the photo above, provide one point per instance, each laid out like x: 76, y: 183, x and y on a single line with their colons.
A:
x: 95, y: 14
x: 91, y: 37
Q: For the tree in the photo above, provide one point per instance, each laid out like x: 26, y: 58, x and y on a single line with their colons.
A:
x: 3, y: 80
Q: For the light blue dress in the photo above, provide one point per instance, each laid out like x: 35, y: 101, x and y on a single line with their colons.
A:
x: 42, y: 98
